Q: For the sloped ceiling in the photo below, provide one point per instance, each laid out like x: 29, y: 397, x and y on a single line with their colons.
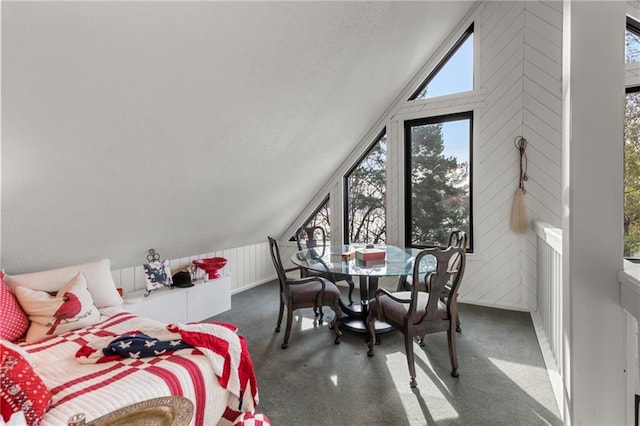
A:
x: 188, y: 127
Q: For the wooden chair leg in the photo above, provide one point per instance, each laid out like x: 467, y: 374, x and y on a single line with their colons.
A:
x: 280, y: 317
x: 454, y: 310
x: 334, y: 323
x: 351, y: 287
x: 453, y: 355
x: 408, y: 348
x: 287, y: 333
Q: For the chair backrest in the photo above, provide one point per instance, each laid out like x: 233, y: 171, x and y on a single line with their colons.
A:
x: 450, y: 264
x: 458, y: 239
x: 312, y: 237
x: 277, y: 261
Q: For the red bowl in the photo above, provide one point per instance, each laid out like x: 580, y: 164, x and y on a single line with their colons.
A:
x: 211, y: 265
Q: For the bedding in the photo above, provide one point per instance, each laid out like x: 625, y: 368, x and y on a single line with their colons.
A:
x: 215, y: 373
x: 70, y: 309
x: 14, y: 320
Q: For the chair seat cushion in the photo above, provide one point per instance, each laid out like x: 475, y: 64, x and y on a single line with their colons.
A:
x: 307, y: 293
x: 396, y: 311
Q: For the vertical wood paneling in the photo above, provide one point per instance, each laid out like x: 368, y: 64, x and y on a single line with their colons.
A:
x: 247, y: 266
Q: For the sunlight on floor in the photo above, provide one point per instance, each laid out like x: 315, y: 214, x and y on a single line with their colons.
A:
x: 334, y: 379
x: 304, y: 323
x: 432, y: 398
x: 523, y: 376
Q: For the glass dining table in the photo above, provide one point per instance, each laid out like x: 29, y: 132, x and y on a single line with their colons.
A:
x: 342, y: 259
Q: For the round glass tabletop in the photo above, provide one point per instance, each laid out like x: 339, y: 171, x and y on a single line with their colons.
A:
x: 361, y: 260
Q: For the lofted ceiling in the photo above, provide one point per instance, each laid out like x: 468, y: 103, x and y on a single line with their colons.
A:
x: 188, y: 126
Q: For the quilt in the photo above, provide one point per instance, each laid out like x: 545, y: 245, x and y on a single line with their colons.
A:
x: 212, y: 368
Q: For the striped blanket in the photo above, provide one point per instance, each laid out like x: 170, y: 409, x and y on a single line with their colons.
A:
x: 215, y: 371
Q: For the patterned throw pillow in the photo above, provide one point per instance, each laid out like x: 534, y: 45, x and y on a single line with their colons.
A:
x: 157, y: 274
x: 14, y: 320
x: 70, y: 309
x: 22, y: 391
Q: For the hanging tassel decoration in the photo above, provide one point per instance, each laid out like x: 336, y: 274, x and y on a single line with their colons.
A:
x: 519, y: 221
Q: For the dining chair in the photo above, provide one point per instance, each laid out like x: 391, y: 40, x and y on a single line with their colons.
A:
x: 457, y: 239
x: 417, y: 313
x: 306, y: 292
x: 316, y: 237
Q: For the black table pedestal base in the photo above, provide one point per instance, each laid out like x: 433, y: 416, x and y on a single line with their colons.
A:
x: 354, y: 317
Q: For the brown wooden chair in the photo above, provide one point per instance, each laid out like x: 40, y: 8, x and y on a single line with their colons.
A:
x: 309, y: 292
x: 416, y: 313
x: 316, y: 237
x: 456, y: 239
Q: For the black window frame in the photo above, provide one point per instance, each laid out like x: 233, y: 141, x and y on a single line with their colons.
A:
x: 408, y: 124
x: 345, y: 183
x: 311, y: 216
x: 452, y: 51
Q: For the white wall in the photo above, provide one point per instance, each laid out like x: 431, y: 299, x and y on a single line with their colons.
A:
x: 592, y: 201
x: 247, y: 266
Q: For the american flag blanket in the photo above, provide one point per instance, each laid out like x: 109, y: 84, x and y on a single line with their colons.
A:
x: 92, y: 371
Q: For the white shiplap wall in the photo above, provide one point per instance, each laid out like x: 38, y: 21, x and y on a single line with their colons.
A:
x: 517, y: 93
x: 247, y: 266
x: 520, y: 72
x: 542, y: 125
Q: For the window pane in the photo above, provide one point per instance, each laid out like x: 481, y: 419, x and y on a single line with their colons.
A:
x: 632, y: 46
x: 366, y: 196
x: 319, y: 218
x: 455, y: 75
x: 438, y: 183
x: 632, y: 176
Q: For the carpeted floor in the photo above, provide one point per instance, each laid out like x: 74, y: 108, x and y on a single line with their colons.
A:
x: 503, y: 380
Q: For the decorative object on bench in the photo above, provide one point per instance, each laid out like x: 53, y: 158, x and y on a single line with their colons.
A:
x: 182, y: 278
x: 157, y: 273
x: 211, y: 266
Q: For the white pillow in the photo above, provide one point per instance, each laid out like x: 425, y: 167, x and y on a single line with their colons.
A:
x: 70, y: 309
x: 98, y: 274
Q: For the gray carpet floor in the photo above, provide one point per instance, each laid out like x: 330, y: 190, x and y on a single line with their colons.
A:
x: 503, y: 379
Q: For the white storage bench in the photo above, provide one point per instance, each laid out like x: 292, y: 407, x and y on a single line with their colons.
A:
x: 179, y: 305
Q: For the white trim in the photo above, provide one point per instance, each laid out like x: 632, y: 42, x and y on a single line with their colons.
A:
x: 552, y: 369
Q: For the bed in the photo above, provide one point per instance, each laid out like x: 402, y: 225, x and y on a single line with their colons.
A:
x: 89, y: 369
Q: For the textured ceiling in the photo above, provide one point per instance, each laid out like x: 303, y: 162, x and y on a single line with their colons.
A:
x: 188, y: 126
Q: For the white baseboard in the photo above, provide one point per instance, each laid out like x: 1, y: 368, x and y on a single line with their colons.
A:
x: 552, y: 370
